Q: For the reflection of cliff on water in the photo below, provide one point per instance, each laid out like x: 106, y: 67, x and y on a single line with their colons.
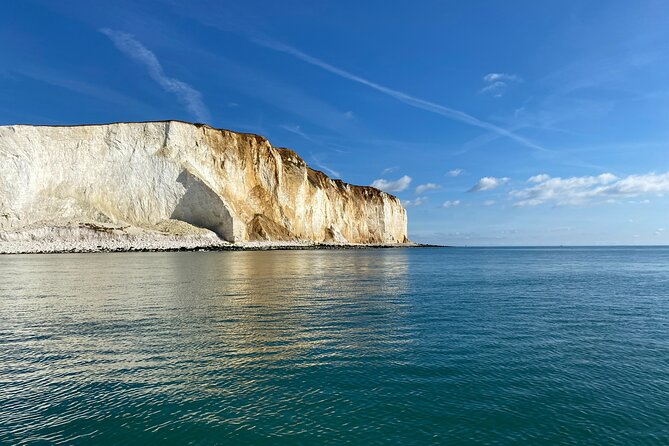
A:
x: 280, y: 306
x: 233, y: 316
x: 227, y: 340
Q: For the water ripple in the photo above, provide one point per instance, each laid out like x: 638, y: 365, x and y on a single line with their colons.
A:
x: 460, y: 346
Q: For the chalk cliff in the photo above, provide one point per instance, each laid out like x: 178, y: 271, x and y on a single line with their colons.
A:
x: 178, y: 180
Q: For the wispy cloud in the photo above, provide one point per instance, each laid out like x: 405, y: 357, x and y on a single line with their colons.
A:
x: 71, y: 83
x: 331, y: 172
x: 450, y: 203
x: 392, y: 186
x: 488, y: 202
x: 488, y: 183
x: 497, y: 83
x: 413, y: 101
x: 588, y: 189
x: 501, y: 77
x: 132, y: 48
x: 295, y: 129
x: 422, y: 188
x: 454, y: 172
x: 413, y: 203
x: 388, y: 170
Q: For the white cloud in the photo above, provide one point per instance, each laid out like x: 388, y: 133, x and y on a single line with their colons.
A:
x: 392, y: 186
x: 496, y: 89
x: 538, y: 178
x: 501, y: 77
x: 454, y: 172
x: 191, y: 98
x: 497, y: 83
x: 413, y: 203
x: 426, y: 187
x: 488, y: 202
x: 634, y: 185
x: 450, y: 203
x: 582, y: 190
x: 388, y: 170
x: 488, y: 183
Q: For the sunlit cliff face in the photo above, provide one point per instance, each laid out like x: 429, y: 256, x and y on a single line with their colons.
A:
x: 147, y: 175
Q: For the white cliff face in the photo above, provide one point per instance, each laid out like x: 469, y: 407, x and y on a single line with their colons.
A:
x: 145, y: 175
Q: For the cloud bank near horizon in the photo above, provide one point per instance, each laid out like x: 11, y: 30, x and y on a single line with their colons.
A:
x: 583, y: 190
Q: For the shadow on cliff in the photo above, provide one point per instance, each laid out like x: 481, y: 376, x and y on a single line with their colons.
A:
x: 202, y: 207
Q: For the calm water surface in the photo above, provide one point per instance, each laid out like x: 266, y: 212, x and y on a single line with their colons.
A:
x: 395, y: 346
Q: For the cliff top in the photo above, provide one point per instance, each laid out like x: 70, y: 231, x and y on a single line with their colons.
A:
x: 316, y: 176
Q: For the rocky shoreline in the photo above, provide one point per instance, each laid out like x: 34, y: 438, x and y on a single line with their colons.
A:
x: 265, y: 246
x: 167, y: 237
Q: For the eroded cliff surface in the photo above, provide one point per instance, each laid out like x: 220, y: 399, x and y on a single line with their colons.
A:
x: 157, y: 175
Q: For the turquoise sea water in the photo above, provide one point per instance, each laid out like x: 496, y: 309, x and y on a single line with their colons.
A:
x: 386, y: 346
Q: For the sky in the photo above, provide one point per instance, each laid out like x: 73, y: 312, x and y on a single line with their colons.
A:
x: 495, y: 123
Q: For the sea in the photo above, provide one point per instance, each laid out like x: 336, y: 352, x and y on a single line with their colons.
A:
x: 406, y: 346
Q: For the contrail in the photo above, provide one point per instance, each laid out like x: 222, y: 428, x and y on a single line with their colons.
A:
x: 400, y: 96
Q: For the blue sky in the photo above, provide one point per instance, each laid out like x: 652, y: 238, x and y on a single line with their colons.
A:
x: 496, y: 123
